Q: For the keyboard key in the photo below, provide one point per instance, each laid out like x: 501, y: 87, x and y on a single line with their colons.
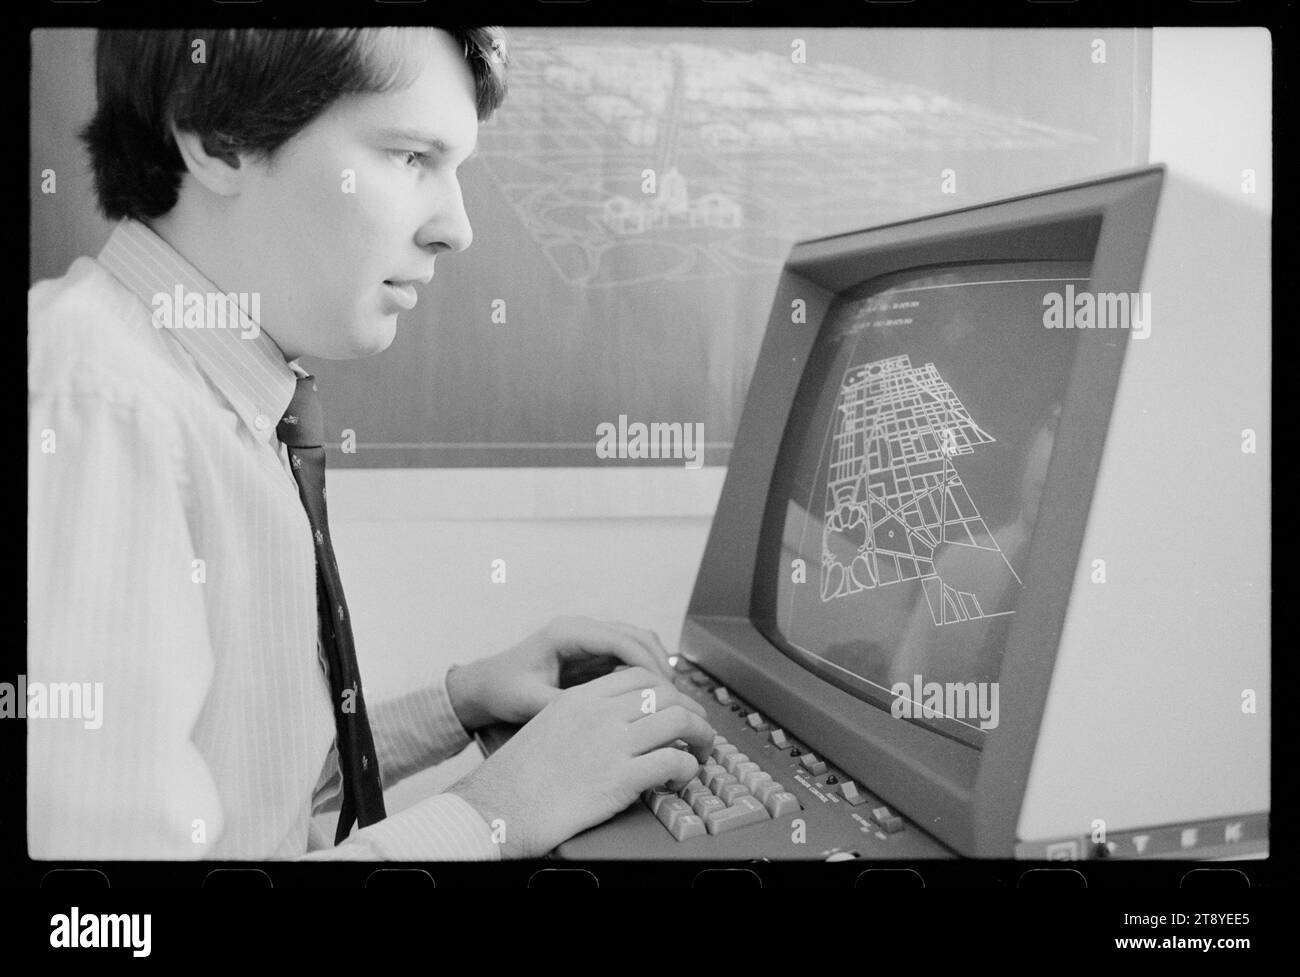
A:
x: 814, y: 766
x: 666, y: 810
x: 722, y: 695
x: 766, y: 789
x: 747, y: 810
x: 692, y: 790
x: 710, y: 768
x: 706, y: 804
x: 849, y: 791
x: 649, y: 795
x: 740, y: 769
x: 720, y: 753
x: 754, y: 778
x: 675, y: 815
x: 718, y: 739
x: 688, y: 826
x: 720, y: 780
x: 782, y: 803
x: 730, y: 792
x: 778, y: 739
x: 732, y: 760
x: 659, y: 801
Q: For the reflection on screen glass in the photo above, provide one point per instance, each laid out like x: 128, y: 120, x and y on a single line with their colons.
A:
x: 911, y: 473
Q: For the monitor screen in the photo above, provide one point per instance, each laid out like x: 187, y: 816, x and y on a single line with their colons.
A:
x: 908, y: 485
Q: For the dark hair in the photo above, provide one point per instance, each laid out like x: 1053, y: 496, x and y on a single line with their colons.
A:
x: 252, y: 91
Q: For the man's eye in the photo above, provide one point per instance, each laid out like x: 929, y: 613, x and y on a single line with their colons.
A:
x: 411, y: 157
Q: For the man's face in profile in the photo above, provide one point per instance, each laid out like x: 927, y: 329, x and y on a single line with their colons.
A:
x: 352, y: 210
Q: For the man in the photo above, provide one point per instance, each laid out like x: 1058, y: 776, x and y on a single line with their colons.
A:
x: 300, y: 183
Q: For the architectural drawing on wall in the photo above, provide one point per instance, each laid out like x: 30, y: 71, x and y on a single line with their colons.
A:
x: 750, y: 153
x: 671, y: 204
x: 894, y: 498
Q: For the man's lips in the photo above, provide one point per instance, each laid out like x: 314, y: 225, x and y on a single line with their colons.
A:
x: 402, y: 289
x: 415, y: 280
x: 402, y: 292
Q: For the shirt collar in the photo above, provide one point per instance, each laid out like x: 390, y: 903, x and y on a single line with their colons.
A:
x: 244, y: 364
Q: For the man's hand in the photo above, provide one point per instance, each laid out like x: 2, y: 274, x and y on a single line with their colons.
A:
x: 587, y: 755
x: 516, y: 685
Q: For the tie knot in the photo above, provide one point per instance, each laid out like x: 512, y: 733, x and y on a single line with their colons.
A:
x: 303, y: 426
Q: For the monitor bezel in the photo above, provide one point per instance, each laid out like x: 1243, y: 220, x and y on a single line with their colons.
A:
x: 969, y: 799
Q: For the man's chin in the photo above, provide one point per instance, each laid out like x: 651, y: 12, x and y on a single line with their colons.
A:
x: 358, y: 345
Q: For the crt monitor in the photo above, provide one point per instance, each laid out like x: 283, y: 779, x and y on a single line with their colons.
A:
x: 947, y: 436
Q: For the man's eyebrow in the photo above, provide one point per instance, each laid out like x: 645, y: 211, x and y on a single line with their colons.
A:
x: 416, y: 135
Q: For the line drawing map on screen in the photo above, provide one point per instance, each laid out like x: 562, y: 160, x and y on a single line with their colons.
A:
x: 749, y: 153
x: 893, y: 495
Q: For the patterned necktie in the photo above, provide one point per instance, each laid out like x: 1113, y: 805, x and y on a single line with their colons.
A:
x: 302, y: 430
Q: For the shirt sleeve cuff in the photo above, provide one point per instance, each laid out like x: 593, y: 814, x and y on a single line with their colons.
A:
x: 443, y: 828
x: 416, y: 730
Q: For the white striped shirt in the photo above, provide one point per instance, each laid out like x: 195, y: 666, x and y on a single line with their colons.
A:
x: 170, y: 559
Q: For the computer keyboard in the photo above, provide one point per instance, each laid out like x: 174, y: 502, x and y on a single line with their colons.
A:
x: 731, y: 792
x: 763, y: 792
x: 736, y: 789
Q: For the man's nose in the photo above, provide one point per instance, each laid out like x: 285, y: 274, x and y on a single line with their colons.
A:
x: 449, y: 229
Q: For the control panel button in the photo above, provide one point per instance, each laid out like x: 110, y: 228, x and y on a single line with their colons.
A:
x: 892, y: 825
x: 849, y: 791
x: 878, y: 814
x: 778, y: 739
x: 722, y: 695
x: 756, y: 722
x: 813, y: 765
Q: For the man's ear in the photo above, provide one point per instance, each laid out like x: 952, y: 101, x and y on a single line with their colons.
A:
x: 218, y: 171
